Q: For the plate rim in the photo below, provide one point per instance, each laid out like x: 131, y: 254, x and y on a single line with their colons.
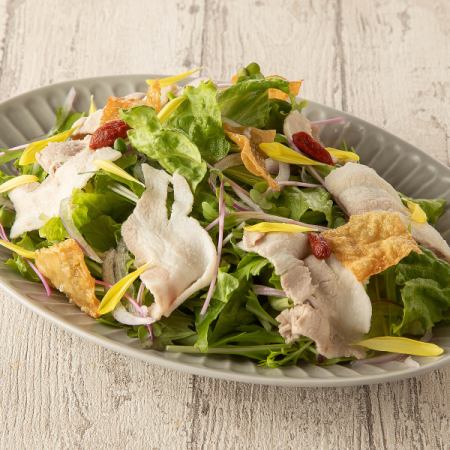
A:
x: 149, y: 357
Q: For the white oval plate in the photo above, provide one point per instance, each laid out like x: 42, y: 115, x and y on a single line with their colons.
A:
x: 411, y: 171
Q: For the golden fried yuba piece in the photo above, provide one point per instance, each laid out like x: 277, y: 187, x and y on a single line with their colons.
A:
x: 114, y: 105
x: 370, y: 243
x: 63, y: 265
x: 154, y: 95
x: 248, y: 140
x: 294, y: 88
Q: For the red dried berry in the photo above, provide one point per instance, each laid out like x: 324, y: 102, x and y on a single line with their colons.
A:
x: 108, y: 133
x: 319, y: 246
x: 310, y: 147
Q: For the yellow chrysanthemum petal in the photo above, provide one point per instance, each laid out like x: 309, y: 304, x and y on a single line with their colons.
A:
x: 417, y: 213
x: 163, y: 82
x: 270, y: 227
x: 342, y: 155
x: 92, y: 106
x: 170, y: 108
x: 116, y: 292
x: 16, y: 249
x: 407, y: 346
x: 110, y: 167
x: 29, y: 154
x: 16, y: 182
x: 280, y: 152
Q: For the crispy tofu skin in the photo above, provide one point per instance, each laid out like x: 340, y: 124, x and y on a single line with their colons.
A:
x: 154, y: 96
x: 248, y: 140
x: 63, y: 265
x: 114, y: 105
x: 370, y: 243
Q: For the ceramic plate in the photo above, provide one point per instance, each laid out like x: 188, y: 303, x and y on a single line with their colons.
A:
x: 411, y: 171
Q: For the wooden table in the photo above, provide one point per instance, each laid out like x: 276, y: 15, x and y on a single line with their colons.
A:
x: 385, y: 61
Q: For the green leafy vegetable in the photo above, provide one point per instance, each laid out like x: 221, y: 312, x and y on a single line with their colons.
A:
x: 53, y: 230
x: 199, y: 117
x: 247, y: 102
x: 171, y: 148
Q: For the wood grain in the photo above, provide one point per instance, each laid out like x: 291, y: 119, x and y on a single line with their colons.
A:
x: 385, y: 61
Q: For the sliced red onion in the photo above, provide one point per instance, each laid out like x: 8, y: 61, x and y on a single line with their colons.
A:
x: 333, y: 120
x: 266, y: 290
x: 382, y: 359
x: 247, y: 215
x: 65, y: 212
x: 284, y: 172
x: 222, y: 212
x: 44, y: 281
x: 140, y: 294
x: 230, y: 235
x: 244, y: 196
x: 271, y: 166
x: 298, y: 184
x: 239, y: 206
x: 410, y: 362
x: 122, y: 315
x: 229, y: 161
x: 3, y: 234
x: 212, y: 224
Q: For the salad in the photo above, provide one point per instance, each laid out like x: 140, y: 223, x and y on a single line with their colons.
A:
x: 210, y: 218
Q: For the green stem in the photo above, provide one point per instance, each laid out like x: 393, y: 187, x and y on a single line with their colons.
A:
x: 227, y: 349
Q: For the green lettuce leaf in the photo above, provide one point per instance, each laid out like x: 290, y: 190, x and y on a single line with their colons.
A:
x: 98, y: 217
x: 312, y: 205
x: 411, y: 297
x: 171, y: 148
x: 424, y: 283
x: 53, y: 230
x: 199, y: 117
x: 247, y: 102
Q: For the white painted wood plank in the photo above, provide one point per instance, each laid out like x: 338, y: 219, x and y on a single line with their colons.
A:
x: 57, y: 391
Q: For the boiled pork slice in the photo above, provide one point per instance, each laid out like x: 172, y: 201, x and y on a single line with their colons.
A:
x: 36, y: 203
x: 88, y: 125
x: 181, y: 252
x: 285, y: 251
x: 57, y: 153
x: 360, y: 189
x: 336, y: 316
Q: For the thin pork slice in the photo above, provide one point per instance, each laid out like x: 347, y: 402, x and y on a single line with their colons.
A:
x: 182, y: 254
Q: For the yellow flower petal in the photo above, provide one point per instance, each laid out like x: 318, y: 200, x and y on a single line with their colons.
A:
x: 16, y: 249
x: 407, y: 346
x: 29, y: 154
x: 16, y: 182
x: 270, y: 227
x: 417, y: 213
x: 116, y: 292
x: 163, y: 82
x: 92, y: 106
x: 110, y: 167
x: 343, y: 155
x: 170, y: 108
x: 280, y: 152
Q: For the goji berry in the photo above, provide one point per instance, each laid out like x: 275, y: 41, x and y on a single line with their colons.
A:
x: 319, y: 246
x: 310, y: 147
x: 105, y: 135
